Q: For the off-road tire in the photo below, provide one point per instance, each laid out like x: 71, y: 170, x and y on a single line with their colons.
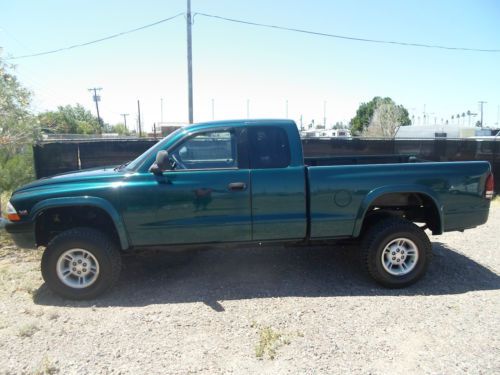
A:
x: 99, y: 245
x: 378, y: 235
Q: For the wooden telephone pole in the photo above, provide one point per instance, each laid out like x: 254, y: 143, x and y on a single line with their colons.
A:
x: 189, y: 61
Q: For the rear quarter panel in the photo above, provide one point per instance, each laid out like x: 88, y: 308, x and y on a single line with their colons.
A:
x: 340, y: 195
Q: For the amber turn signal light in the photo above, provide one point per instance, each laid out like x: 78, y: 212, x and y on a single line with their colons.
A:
x: 12, y: 214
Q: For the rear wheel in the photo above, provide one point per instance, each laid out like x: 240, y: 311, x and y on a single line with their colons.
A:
x: 81, y: 263
x: 396, y: 252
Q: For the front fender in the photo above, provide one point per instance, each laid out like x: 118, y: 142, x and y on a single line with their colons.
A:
x: 378, y: 192
x: 84, y: 201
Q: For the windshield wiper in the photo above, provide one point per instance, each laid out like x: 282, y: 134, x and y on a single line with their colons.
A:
x: 120, y: 167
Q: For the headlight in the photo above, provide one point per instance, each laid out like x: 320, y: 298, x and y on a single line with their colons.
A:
x: 12, y: 214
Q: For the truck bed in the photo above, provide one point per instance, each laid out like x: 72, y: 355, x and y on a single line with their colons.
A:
x: 338, y: 193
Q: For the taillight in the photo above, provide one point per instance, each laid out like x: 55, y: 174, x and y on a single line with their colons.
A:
x: 490, y: 187
x: 12, y: 214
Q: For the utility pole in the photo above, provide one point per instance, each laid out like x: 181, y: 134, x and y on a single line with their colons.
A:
x: 161, y: 110
x: 481, y: 104
x: 324, y: 114
x: 97, y: 98
x: 125, y: 119
x: 139, y: 117
x: 213, y: 109
x: 189, y: 61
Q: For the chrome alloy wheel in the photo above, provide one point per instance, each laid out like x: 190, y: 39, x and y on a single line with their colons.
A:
x: 400, y: 256
x: 77, y: 268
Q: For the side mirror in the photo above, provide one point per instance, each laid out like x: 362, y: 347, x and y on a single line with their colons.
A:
x: 161, y: 164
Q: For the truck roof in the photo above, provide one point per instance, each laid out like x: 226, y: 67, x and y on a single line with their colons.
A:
x: 243, y: 122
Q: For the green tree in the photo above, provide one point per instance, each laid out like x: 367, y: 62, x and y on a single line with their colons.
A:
x: 121, y: 129
x: 364, y: 114
x: 18, y: 131
x: 69, y: 120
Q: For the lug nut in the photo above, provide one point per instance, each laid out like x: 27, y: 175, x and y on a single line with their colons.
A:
x: 397, y: 250
x: 79, y: 273
x: 74, y: 263
x: 393, y: 253
x: 393, y: 258
x: 74, y: 269
x: 85, y: 264
x: 84, y: 270
x: 398, y: 262
x: 79, y: 261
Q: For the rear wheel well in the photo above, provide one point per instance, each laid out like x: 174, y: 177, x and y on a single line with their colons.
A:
x: 416, y: 207
x: 53, y: 221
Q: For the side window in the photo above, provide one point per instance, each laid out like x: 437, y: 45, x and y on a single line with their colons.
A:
x: 209, y: 150
x: 269, y: 148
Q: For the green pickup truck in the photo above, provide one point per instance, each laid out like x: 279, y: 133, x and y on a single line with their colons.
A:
x: 245, y: 182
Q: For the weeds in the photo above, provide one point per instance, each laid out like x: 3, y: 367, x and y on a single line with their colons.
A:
x: 46, y: 367
x: 19, y: 268
x: 269, y: 342
x: 54, y: 315
x: 28, y: 330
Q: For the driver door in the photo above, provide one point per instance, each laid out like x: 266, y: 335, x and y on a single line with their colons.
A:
x: 206, y: 197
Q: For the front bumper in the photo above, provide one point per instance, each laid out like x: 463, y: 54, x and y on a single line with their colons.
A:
x: 22, y: 233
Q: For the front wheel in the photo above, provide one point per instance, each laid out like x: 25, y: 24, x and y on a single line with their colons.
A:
x: 81, y: 263
x: 396, y: 252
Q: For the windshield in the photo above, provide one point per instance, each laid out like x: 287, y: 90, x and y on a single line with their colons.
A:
x: 137, y: 162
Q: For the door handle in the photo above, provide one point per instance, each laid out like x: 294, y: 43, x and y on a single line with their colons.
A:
x: 237, y: 186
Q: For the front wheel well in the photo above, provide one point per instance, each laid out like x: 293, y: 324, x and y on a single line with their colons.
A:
x: 52, y: 221
x: 419, y: 208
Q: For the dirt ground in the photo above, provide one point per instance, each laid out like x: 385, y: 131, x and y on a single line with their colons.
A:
x: 263, y: 310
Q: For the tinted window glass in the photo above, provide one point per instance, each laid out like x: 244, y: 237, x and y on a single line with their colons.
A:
x: 206, y: 151
x: 269, y: 148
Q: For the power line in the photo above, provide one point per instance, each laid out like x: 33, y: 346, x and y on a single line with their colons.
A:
x: 345, y: 37
x: 95, y: 41
x: 348, y: 37
x: 408, y: 44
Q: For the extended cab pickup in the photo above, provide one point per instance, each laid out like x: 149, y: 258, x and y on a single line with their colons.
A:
x: 244, y: 182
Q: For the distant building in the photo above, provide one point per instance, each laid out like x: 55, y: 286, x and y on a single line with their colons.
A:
x: 443, y: 131
x: 326, y: 133
x: 165, y: 128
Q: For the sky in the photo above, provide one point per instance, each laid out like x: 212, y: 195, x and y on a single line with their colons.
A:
x: 236, y: 64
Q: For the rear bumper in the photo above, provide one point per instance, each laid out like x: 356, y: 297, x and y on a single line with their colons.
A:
x: 465, y: 220
x: 23, y: 234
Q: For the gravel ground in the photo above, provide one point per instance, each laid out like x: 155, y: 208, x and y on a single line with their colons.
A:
x: 266, y: 310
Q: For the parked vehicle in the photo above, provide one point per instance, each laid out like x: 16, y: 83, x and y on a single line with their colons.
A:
x: 244, y: 183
